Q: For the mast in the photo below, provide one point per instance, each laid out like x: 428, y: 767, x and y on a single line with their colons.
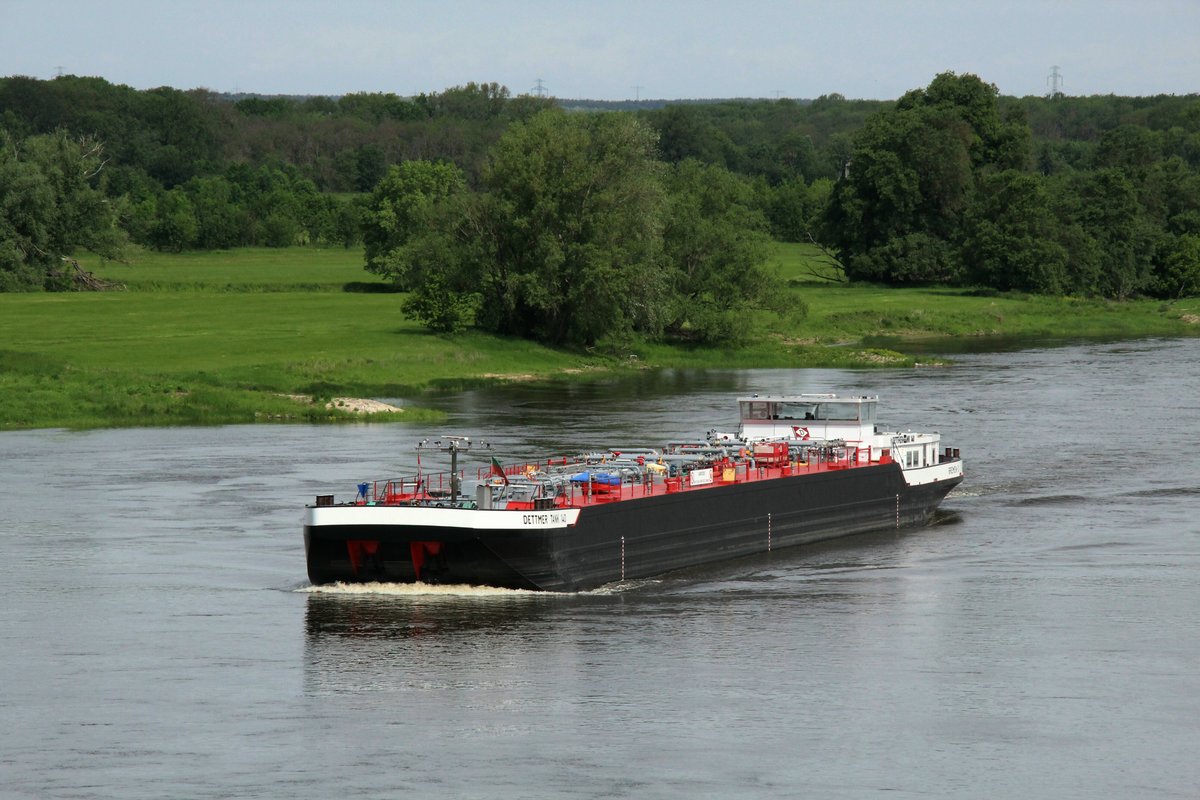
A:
x: 452, y: 445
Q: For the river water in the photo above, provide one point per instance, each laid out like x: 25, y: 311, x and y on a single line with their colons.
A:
x: 158, y: 637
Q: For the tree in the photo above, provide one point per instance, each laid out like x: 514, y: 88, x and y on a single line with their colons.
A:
x: 1130, y: 148
x: 971, y: 100
x: 1170, y: 196
x: 715, y: 245
x: 175, y: 228
x: 279, y: 230
x: 1177, y: 272
x: 378, y: 107
x: 26, y: 200
x: 476, y: 101
x: 272, y: 204
x: 217, y: 224
x: 50, y: 207
x: 895, y: 218
x: 1011, y: 240
x: 348, y: 222
x: 915, y: 257
x: 794, y: 208
x: 1013, y: 147
x: 186, y: 132
x: 898, y: 216
x: 1104, y: 205
x: 266, y: 107
x: 571, y: 230
x: 400, y: 210
x: 370, y: 164
x: 438, y: 260
x: 442, y: 299
x: 685, y: 131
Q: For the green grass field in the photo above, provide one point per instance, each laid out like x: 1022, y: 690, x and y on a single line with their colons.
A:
x: 842, y: 313
x: 223, y: 337
x: 244, y: 269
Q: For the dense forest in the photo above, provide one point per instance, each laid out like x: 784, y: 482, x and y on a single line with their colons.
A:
x: 570, y: 222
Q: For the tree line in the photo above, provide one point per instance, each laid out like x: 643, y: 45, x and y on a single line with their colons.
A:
x: 951, y: 184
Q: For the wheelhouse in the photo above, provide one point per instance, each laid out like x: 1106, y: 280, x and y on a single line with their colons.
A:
x: 808, y: 416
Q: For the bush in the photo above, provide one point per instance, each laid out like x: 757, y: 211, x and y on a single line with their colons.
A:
x: 280, y: 231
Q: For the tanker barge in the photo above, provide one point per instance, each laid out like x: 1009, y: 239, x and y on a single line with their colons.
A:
x: 800, y: 469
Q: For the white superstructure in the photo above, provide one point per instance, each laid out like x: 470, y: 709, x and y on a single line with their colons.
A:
x: 829, y: 418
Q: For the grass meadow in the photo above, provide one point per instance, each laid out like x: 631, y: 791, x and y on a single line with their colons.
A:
x: 227, y: 337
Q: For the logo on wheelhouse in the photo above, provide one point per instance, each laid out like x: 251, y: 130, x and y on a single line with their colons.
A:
x: 800, y: 433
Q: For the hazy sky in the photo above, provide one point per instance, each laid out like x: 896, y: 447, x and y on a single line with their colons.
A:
x: 609, y: 49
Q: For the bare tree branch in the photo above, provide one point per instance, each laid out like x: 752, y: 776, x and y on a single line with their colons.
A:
x: 86, y: 281
x: 96, y: 171
x: 91, y: 150
x: 837, y: 270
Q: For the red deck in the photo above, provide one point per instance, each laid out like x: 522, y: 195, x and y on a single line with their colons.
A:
x: 436, y: 486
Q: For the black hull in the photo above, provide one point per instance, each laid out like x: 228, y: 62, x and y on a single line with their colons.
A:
x: 640, y: 538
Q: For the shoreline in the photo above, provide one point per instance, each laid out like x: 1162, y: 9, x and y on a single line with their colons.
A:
x: 222, y: 353
x: 136, y: 404
x: 355, y: 405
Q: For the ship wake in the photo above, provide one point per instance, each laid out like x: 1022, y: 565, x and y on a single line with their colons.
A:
x: 416, y: 589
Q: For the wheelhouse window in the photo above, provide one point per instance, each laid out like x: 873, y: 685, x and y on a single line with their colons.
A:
x: 797, y: 411
x: 756, y: 410
x: 838, y: 412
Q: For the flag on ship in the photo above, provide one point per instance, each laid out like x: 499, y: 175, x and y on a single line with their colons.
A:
x: 499, y: 470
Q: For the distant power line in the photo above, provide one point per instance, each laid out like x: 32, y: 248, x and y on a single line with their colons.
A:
x: 539, y: 88
x: 1054, y: 81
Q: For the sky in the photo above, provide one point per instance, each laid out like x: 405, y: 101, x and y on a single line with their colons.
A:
x: 610, y: 49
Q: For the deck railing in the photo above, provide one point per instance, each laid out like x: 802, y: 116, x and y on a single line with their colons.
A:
x: 654, y: 478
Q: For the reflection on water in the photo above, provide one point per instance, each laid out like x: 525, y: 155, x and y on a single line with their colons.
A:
x: 965, y: 345
x: 388, y: 612
x: 1038, y: 640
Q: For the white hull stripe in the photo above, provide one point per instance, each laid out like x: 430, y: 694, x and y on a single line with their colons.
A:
x: 919, y: 476
x: 441, y: 517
